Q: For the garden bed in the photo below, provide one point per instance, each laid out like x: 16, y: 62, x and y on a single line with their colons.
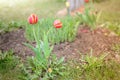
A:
x: 101, y: 41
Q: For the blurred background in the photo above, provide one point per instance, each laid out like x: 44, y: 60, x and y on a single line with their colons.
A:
x: 11, y: 10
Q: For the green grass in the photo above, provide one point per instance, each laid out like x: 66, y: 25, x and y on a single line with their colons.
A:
x: 90, y: 68
x: 115, y: 27
x: 14, y: 10
x: 110, y: 10
x: 104, y: 71
x: 116, y: 49
x: 9, y: 69
x: 110, y: 14
x: 13, y: 74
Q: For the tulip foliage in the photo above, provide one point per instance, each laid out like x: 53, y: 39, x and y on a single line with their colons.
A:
x: 90, y: 18
x: 44, y: 65
x: 57, y: 30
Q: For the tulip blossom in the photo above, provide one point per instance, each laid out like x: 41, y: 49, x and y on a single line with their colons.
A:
x: 86, y: 1
x: 33, y: 19
x: 57, y: 24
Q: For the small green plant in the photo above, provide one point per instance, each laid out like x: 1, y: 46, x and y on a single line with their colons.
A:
x: 43, y: 65
x: 7, y: 61
x: 116, y: 49
x: 90, y: 18
x: 115, y: 27
x: 10, y: 26
x: 91, y: 62
x: 14, y: 24
x: 9, y: 66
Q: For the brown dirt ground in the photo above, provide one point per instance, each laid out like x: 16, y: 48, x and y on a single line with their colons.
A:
x: 100, y: 41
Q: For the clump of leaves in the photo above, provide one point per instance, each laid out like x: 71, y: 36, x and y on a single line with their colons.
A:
x: 115, y: 27
x: 90, y: 18
x: 9, y: 26
x: 9, y: 66
x: 116, y: 49
x: 43, y: 65
x: 91, y: 62
x: 53, y: 69
x: 7, y: 61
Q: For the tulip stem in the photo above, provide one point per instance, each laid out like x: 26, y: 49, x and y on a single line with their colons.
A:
x: 49, y: 31
x: 34, y: 34
x: 36, y: 39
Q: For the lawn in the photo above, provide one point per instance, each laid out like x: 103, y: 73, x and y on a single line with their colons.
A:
x: 110, y: 10
x: 14, y: 10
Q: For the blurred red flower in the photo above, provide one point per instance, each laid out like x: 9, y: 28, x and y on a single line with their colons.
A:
x: 57, y: 24
x: 33, y: 19
x: 86, y: 1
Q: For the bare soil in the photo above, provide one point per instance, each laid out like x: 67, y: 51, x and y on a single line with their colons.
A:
x: 100, y: 41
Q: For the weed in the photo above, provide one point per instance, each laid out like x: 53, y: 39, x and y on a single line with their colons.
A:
x: 92, y: 68
x: 9, y: 66
x: 115, y: 27
x: 10, y: 26
x: 116, y: 48
x: 7, y: 61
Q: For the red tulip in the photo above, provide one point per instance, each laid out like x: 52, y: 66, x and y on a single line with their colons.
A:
x: 57, y: 24
x: 33, y: 19
x: 86, y: 1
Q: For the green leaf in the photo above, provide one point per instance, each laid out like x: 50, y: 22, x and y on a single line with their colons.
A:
x: 98, y: 16
x: 38, y: 54
x: 61, y: 60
